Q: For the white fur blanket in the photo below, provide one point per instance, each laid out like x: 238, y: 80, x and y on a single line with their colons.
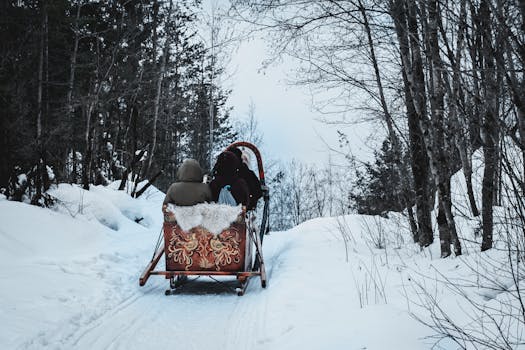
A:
x: 213, y: 217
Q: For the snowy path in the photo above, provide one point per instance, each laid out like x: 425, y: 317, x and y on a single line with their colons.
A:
x: 141, y: 317
x: 87, y: 295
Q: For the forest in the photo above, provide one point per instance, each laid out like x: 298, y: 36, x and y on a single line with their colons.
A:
x: 96, y: 91
x: 100, y: 91
x: 443, y: 79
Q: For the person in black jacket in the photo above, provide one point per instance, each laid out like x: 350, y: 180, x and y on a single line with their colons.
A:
x: 226, y: 172
x: 254, y: 185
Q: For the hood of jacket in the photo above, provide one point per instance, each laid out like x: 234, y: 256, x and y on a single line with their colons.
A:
x: 189, y: 171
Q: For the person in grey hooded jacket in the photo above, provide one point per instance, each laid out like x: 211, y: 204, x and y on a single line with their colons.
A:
x: 189, y: 189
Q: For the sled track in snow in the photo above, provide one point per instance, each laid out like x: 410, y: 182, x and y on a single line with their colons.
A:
x: 83, y: 325
x: 74, y: 340
x: 248, y: 328
x: 135, y: 317
x: 247, y: 319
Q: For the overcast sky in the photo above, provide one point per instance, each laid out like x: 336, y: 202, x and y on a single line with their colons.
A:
x: 290, y: 124
x: 286, y: 117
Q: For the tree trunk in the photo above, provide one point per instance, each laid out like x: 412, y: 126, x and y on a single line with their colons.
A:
x: 456, y: 101
x: 476, y: 100
x: 490, y: 135
x: 467, y: 172
x: 69, y: 99
x: 41, y: 178
x: 521, y: 124
x: 146, y: 186
x: 161, y: 73
x: 40, y: 107
x: 90, y: 106
x: 517, y: 86
x: 413, y: 223
x: 444, y: 233
x: 437, y: 145
x: 487, y: 194
x: 86, y: 160
x: 131, y: 167
x: 394, y: 141
x: 414, y: 90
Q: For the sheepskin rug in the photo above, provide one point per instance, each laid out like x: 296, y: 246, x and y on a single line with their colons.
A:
x: 213, y: 217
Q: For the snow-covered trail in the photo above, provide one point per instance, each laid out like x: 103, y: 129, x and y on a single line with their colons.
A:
x: 203, y: 314
x: 72, y: 284
x: 305, y: 306
x: 126, y: 316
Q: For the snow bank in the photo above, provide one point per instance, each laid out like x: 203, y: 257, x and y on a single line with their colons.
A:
x: 30, y: 232
x: 46, y: 260
x: 114, y: 209
x: 64, y: 269
x: 213, y: 217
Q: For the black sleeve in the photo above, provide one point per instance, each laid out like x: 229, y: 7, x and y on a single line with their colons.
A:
x: 255, y: 186
x: 241, y: 192
x: 215, y: 189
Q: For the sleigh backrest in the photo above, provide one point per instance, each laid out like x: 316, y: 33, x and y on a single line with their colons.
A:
x: 196, y: 247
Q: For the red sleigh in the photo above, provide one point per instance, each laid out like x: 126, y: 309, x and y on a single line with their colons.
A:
x: 236, y: 251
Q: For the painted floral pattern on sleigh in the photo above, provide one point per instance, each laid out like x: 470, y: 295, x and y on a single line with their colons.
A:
x: 203, y: 247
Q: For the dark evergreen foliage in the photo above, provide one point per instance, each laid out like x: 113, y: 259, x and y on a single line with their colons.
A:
x: 101, y: 63
x: 379, y: 187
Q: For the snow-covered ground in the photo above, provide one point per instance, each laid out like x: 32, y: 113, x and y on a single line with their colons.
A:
x: 69, y: 280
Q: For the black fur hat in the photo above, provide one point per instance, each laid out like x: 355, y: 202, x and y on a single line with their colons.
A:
x: 227, y: 164
x: 237, y: 152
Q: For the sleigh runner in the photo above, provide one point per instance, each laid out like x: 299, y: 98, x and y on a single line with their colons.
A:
x: 234, y: 251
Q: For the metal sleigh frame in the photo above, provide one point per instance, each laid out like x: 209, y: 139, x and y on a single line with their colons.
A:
x: 177, y: 276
